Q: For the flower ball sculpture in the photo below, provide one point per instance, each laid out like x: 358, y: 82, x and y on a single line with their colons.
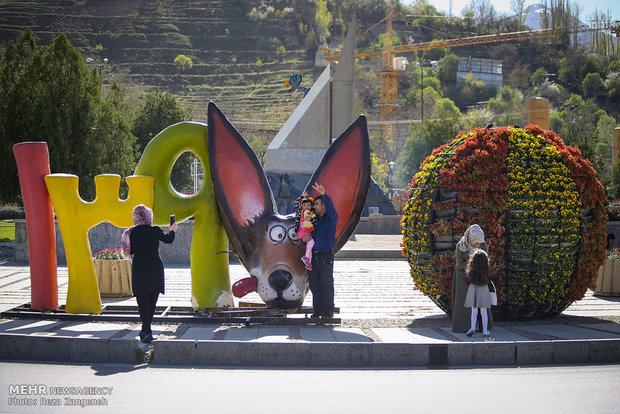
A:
x: 539, y: 203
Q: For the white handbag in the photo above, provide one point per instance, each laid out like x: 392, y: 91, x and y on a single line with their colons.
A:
x: 493, y: 295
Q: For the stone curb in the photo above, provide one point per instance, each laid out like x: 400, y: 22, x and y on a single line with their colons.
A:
x: 68, y: 349
x: 309, y: 354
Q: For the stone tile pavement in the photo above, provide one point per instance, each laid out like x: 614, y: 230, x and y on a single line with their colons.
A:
x: 385, y: 322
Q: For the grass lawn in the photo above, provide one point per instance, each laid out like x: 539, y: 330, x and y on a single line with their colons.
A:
x: 7, y: 231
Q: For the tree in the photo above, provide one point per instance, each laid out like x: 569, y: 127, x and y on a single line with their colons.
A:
x: 592, y: 84
x: 423, y: 138
x: 615, y: 180
x: 322, y: 21
x: 446, y: 109
x: 604, y: 134
x: 519, y: 77
x: 508, y: 53
x: 117, y: 155
x: 538, y: 77
x: 378, y: 172
x: 470, y: 90
x: 447, y: 68
x: 591, y: 65
x: 15, y: 117
x: 431, y: 96
x: 468, y: 17
x: 552, y: 91
x: 183, y: 63
x: 49, y: 93
x: 520, y: 10
x: 508, y: 107
x: 430, y: 79
x: 612, y: 85
x: 477, y: 117
x: 568, y: 76
x: 435, y: 53
x: 577, y: 124
x: 158, y: 111
x: 484, y: 13
x: 259, y: 145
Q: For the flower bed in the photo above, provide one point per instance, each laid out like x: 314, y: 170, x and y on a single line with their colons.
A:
x: 539, y: 203
x: 608, y: 280
x: 109, y: 254
x: 113, y: 273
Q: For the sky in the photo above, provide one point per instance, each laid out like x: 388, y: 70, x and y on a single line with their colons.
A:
x: 503, y: 6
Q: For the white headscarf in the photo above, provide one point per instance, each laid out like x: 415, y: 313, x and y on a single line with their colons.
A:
x: 473, y: 234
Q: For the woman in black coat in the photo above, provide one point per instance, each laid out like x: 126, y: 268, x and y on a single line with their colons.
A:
x: 147, y: 269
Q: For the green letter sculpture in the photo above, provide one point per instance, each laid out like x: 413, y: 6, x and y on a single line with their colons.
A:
x: 210, y: 278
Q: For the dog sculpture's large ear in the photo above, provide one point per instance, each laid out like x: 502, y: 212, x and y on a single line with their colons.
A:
x: 241, y: 187
x: 344, y: 171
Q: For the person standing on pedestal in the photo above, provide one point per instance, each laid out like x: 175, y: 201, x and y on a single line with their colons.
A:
x: 321, y: 277
x: 147, y: 269
x: 472, y: 240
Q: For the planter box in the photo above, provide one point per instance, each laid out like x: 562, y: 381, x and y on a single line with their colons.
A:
x: 446, y: 195
x: 441, y: 247
x: 450, y: 212
x: 114, y: 278
x: 608, y: 281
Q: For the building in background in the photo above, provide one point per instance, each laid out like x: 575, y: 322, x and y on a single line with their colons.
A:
x: 487, y: 70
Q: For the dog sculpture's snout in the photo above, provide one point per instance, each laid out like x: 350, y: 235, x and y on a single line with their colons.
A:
x: 280, y: 280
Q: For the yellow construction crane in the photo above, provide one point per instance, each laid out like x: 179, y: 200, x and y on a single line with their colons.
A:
x: 388, y: 89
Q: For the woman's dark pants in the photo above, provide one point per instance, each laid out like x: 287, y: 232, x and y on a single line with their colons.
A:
x: 146, y: 308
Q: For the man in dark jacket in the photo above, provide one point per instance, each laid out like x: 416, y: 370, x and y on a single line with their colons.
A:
x: 321, y: 277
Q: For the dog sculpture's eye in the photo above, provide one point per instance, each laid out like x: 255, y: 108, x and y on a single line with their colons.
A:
x: 292, y: 234
x: 277, y: 234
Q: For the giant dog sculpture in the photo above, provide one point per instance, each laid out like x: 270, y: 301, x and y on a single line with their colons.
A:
x: 264, y: 240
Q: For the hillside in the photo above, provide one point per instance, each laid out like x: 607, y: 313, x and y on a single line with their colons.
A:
x: 235, y: 60
x: 244, y: 50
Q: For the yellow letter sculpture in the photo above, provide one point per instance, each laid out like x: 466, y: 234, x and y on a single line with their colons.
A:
x: 209, y: 265
x: 76, y: 217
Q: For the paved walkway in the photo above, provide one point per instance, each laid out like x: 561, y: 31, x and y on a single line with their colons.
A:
x: 384, y: 322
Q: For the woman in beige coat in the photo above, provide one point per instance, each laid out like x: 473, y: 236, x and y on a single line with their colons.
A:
x: 472, y: 239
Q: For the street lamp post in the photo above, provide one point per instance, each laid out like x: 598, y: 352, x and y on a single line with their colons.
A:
x: 391, y: 164
x: 197, y: 174
x: 99, y: 65
x: 422, y: 91
x: 422, y: 64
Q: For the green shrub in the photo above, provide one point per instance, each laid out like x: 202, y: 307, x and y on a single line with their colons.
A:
x: 168, y: 27
x: 10, y: 211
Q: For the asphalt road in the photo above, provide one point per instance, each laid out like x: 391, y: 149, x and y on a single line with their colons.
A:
x: 154, y: 389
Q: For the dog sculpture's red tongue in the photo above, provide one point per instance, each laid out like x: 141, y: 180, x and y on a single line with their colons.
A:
x: 244, y: 286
